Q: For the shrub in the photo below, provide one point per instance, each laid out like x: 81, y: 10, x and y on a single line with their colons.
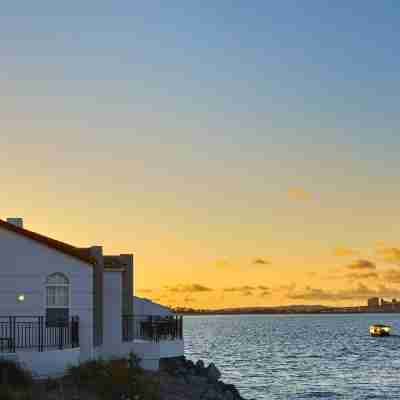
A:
x: 9, y: 393
x: 145, y: 387
x: 14, y: 375
x: 88, y: 372
x: 115, y: 379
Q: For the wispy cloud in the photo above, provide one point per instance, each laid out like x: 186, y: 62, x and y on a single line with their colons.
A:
x: 344, y: 252
x: 362, y: 275
x: 260, y: 261
x: 312, y: 294
x: 144, y: 290
x: 392, y: 276
x: 189, y: 299
x: 192, y: 288
x: 390, y: 254
x: 289, y: 288
x: 360, y: 292
x: 239, y: 289
x: 361, y: 265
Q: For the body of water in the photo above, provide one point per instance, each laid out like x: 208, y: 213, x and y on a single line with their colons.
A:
x: 300, y: 356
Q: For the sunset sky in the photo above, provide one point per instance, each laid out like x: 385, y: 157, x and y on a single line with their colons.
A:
x: 247, y: 154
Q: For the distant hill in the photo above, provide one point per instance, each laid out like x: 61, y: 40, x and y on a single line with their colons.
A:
x: 296, y: 308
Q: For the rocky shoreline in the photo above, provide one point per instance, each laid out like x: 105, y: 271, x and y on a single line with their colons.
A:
x: 182, y: 379
x: 120, y: 379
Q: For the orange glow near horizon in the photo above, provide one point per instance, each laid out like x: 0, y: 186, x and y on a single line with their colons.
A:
x: 189, y: 269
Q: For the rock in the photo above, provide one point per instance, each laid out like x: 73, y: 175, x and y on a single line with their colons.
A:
x: 232, y: 388
x: 210, y: 394
x: 200, y: 364
x: 180, y: 380
x: 218, y: 388
x: 184, y: 380
x: 196, y: 380
x: 181, y: 371
x: 228, y: 395
x: 222, y: 386
x: 213, y: 373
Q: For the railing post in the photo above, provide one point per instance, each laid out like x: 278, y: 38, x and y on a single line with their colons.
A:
x: 15, y: 334
x: 72, y: 332
x: 77, y: 332
x: 60, y: 335
x: 40, y: 333
x: 74, y: 329
x: 11, y: 334
x: 151, y: 330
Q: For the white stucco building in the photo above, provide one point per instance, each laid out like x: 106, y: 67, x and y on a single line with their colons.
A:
x: 61, y: 304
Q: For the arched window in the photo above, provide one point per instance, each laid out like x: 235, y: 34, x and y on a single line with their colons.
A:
x: 57, y: 299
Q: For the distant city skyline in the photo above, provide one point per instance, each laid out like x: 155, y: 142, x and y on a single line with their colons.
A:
x: 247, y: 154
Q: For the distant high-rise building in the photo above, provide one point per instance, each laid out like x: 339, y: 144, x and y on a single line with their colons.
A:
x: 386, y: 305
x: 373, y: 302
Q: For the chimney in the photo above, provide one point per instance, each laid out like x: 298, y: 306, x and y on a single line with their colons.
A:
x: 16, y: 221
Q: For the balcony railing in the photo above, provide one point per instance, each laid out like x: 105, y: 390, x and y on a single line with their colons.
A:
x: 150, y: 327
x: 32, y: 333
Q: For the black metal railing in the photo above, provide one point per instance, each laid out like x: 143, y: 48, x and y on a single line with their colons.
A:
x: 150, y: 327
x: 35, y: 334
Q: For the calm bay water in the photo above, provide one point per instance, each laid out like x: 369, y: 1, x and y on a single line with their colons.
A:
x: 300, y: 356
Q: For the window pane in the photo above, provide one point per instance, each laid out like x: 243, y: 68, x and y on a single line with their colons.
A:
x: 63, y: 300
x: 57, y: 317
x: 57, y: 296
x: 57, y: 279
x: 51, y: 296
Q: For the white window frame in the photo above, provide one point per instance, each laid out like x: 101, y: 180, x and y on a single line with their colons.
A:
x: 66, y: 284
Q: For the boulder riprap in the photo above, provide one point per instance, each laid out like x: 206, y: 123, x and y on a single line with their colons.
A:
x: 181, y: 379
x: 213, y: 372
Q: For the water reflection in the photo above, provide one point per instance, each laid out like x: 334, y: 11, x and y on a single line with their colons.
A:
x: 300, y: 357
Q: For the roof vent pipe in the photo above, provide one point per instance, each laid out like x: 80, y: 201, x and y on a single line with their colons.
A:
x: 16, y: 221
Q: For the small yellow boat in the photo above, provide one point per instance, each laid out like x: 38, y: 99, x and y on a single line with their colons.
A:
x: 380, y: 330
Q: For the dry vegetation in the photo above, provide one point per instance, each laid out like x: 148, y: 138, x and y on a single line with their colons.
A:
x: 115, y: 379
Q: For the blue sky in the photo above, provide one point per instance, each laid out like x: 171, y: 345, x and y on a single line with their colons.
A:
x: 205, y: 115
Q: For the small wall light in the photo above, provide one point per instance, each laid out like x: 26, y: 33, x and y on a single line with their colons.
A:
x: 21, y: 298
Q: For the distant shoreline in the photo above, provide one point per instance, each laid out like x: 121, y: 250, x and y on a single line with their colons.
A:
x: 287, y: 313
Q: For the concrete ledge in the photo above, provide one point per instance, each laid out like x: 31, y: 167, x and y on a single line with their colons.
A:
x: 52, y: 363
x: 149, y: 352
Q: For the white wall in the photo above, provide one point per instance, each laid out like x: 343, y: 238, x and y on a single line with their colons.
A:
x: 151, y: 352
x: 49, y: 363
x: 112, y: 328
x: 24, y: 267
x: 172, y: 348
